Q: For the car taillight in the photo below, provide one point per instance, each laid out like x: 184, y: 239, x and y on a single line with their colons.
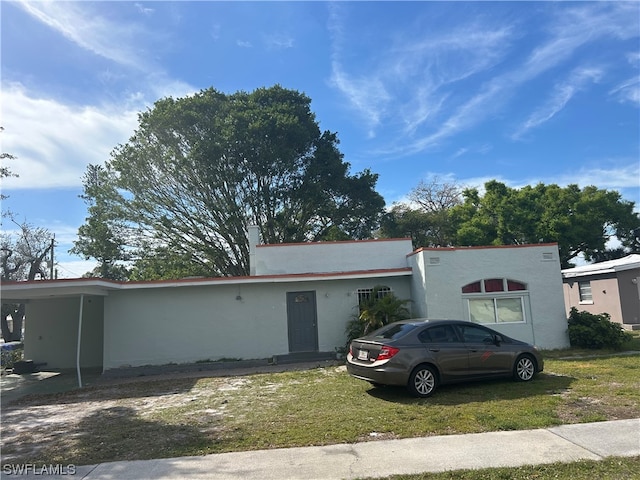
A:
x: 351, y: 350
x: 387, y: 352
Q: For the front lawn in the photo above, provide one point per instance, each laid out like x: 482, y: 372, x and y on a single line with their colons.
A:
x: 192, y: 416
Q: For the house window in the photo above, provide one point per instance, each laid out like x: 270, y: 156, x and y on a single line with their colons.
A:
x: 364, y: 294
x: 496, y: 300
x: 584, y: 289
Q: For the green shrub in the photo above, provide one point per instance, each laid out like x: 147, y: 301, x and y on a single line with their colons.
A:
x: 380, y: 309
x: 587, y: 330
x: 9, y: 357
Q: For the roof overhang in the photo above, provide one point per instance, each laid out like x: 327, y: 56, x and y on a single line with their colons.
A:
x: 629, y: 262
x: 19, y: 292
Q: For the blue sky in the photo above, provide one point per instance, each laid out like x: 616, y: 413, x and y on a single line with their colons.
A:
x: 522, y: 92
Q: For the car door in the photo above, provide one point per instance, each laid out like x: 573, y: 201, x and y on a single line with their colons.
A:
x: 486, y: 356
x: 445, y: 348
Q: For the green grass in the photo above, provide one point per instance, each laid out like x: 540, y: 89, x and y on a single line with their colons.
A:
x: 156, y: 419
x: 613, y: 468
x: 632, y: 345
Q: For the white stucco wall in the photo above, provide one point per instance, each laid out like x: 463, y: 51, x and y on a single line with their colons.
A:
x: 439, y: 275
x: 51, y: 332
x: 188, y: 324
x: 321, y: 257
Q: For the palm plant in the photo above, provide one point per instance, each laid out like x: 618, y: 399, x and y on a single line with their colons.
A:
x: 378, y: 309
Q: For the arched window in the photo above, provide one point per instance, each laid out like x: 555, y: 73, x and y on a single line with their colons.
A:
x: 496, y: 300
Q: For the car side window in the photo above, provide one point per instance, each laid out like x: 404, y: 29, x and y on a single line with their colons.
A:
x: 473, y: 334
x: 438, y: 334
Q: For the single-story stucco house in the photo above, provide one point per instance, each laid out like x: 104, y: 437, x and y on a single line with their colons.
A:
x: 611, y: 287
x: 298, y: 298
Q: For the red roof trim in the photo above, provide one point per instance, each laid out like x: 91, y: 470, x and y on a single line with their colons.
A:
x: 307, y: 244
x: 204, y: 280
x: 485, y: 247
x: 62, y: 280
x: 272, y: 277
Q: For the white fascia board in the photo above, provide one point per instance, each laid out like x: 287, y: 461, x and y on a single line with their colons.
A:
x: 23, y: 291
x: 586, y: 273
x: 286, y: 278
x: 611, y: 266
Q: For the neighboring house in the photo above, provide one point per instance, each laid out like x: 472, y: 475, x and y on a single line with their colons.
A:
x: 611, y: 287
x: 297, y: 300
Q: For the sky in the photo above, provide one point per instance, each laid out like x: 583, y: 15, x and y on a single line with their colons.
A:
x: 466, y: 92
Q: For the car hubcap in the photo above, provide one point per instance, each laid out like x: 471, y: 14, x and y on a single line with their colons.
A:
x: 525, y: 369
x: 424, y: 382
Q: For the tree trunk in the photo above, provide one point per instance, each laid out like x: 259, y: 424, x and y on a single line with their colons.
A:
x: 13, y: 334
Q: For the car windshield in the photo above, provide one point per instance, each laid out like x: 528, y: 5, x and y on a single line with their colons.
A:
x: 391, y: 332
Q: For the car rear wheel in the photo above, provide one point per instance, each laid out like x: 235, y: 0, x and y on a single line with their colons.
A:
x: 423, y: 381
x: 524, y: 369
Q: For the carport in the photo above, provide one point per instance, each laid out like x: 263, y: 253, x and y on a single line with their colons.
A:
x: 64, y: 321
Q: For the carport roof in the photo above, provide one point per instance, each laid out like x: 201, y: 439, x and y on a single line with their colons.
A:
x: 38, y: 289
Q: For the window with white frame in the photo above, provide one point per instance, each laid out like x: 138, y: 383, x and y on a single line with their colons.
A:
x: 584, y: 289
x: 364, y: 294
x: 496, y: 300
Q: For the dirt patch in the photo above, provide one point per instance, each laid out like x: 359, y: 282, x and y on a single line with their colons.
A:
x: 32, y: 430
x: 55, y: 426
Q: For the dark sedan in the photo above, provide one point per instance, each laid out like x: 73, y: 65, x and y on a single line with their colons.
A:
x: 422, y: 354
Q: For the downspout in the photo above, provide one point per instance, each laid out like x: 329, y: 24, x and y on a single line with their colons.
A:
x: 533, y: 328
x: 79, y: 341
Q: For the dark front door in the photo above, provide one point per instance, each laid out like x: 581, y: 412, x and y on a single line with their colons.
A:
x: 302, y: 321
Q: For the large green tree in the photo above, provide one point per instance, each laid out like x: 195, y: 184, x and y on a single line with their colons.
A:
x: 200, y: 169
x: 581, y: 221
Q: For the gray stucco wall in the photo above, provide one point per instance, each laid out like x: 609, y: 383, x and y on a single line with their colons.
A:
x: 180, y: 325
x: 51, y: 332
x: 440, y: 274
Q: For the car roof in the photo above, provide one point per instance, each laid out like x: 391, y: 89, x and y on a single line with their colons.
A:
x: 420, y: 321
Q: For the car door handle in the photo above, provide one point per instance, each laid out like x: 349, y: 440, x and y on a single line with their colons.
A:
x: 434, y: 349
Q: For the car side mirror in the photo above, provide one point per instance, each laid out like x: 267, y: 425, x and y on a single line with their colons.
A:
x: 497, y: 340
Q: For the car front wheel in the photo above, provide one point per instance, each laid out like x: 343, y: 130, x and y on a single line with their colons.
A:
x: 524, y: 369
x: 423, y: 381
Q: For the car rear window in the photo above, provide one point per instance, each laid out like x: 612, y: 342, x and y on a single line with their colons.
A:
x: 393, y: 332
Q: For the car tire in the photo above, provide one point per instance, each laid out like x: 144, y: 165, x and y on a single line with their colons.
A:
x: 423, y: 381
x: 525, y: 368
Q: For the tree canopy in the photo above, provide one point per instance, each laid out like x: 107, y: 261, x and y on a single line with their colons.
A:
x: 427, y: 219
x: 581, y: 221
x: 200, y: 169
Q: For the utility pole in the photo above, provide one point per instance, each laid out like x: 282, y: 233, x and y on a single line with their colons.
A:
x: 53, y: 242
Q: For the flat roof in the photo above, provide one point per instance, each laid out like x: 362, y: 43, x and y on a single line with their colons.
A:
x: 22, y: 291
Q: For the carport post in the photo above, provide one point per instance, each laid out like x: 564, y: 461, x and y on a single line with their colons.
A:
x: 79, y: 336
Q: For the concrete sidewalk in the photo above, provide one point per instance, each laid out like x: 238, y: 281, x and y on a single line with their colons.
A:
x: 567, y: 443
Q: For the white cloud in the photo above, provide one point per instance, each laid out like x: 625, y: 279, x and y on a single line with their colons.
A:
x: 367, y: 95
x: 74, y: 268
x: 144, y: 10
x: 413, y: 72
x: 54, y: 142
x: 86, y: 26
x: 629, y: 89
x: 621, y: 175
x: 422, y: 74
x: 278, y: 41
x: 562, y: 93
